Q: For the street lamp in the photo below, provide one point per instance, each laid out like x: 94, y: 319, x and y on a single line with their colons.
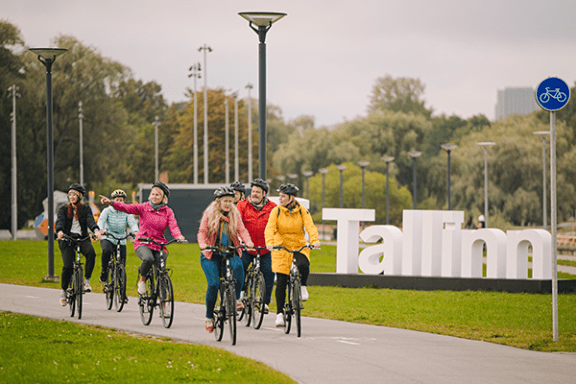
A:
x: 307, y: 175
x: 341, y: 168
x: 47, y: 56
x: 249, y: 87
x: 323, y: 172
x: 263, y: 21
x: 281, y: 179
x: 206, y: 50
x: 227, y: 143
x: 448, y: 147
x: 14, y: 90
x: 387, y: 160
x: 236, y: 160
x: 156, y: 124
x: 195, y: 69
x: 485, y: 145
x: 414, y: 155
x: 292, y: 177
x: 81, y: 139
x: 543, y: 136
x: 363, y: 165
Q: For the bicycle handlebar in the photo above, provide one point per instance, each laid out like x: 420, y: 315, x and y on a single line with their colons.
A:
x: 79, y: 240
x: 152, y: 241
x: 118, y: 238
x: 280, y: 247
x: 231, y: 249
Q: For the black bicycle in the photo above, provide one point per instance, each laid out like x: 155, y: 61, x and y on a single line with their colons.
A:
x: 115, y: 285
x: 75, y: 288
x: 225, y: 308
x: 159, y: 290
x: 293, y: 305
x: 254, y: 294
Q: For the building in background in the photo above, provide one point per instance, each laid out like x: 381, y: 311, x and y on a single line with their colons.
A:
x: 513, y: 101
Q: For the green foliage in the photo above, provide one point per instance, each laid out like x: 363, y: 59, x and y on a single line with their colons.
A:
x: 399, y: 95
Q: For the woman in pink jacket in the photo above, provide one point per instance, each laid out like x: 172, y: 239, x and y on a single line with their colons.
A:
x: 155, y: 217
x: 221, y: 226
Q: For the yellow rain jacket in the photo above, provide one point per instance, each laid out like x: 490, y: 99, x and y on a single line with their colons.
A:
x: 286, y: 227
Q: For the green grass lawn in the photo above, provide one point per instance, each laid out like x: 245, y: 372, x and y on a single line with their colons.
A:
x: 515, y: 319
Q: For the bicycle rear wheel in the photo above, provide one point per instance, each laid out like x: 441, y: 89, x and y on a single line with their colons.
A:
x: 166, y: 300
x: 70, y: 297
x: 257, y: 302
x: 119, y: 288
x: 219, y: 315
x: 231, y: 311
x: 79, y: 291
x: 109, y: 289
x: 297, y: 305
x: 146, y: 303
x: 288, y: 309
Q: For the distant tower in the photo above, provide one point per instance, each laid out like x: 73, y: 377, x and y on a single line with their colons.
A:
x: 515, y: 101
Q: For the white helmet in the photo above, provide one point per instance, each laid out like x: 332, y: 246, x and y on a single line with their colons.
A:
x: 481, y: 218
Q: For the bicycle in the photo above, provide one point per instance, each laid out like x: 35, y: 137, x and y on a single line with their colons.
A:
x: 75, y: 288
x: 254, y: 294
x: 555, y: 94
x: 115, y: 285
x: 225, y: 309
x: 293, y: 305
x: 159, y: 290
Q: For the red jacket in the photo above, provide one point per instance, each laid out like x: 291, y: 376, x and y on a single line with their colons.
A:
x: 255, y: 221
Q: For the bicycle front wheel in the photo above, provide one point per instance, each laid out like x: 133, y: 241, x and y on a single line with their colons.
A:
x: 70, y: 296
x: 79, y: 291
x: 257, y: 302
x: 245, y: 316
x: 231, y: 311
x: 119, y: 288
x: 220, y: 314
x: 109, y: 289
x: 166, y: 300
x: 288, y: 309
x: 146, y: 303
x: 297, y: 305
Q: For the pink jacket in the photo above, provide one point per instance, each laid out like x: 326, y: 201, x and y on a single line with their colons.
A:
x: 153, y: 223
x: 205, y: 240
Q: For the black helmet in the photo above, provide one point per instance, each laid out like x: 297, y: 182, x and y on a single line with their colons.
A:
x: 223, y: 191
x: 118, y: 193
x: 77, y: 187
x: 238, y: 186
x: 260, y: 183
x: 163, y: 187
x: 289, y: 189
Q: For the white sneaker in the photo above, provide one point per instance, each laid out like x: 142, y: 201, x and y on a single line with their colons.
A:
x: 87, y: 287
x: 63, y: 298
x: 142, y: 287
x: 279, y: 320
x: 304, y: 293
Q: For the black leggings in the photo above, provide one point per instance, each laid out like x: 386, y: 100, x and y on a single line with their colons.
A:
x: 69, y: 255
x: 303, y: 265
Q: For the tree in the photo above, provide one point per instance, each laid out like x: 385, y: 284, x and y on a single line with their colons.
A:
x: 398, y: 95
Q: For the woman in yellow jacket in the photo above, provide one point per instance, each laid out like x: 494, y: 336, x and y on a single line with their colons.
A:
x: 286, y: 227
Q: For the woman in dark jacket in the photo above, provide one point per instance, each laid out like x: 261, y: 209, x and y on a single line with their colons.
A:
x: 74, y: 219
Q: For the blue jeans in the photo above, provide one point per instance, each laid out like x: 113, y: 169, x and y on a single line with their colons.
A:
x: 211, y: 268
x: 265, y: 267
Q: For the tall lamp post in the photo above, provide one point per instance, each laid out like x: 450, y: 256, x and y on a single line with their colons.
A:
x: 196, y: 75
x: 323, y: 172
x: 485, y: 145
x: 206, y: 49
x: 81, y: 139
x: 543, y: 136
x: 263, y: 21
x: 236, y: 160
x: 363, y: 165
x: 414, y: 155
x: 292, y: 177
x: 281, y: 179
x: 387, y: 160
x: 47, y: 56
x: 341, y: 168
x: 307, y: 175
x: 249, y: 87
x: 227, y: 143
x: 14, y: 90
x: 156, y: 124
x: 448, y: 147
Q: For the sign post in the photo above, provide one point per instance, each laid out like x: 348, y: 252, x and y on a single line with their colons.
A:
x: 552, y: 95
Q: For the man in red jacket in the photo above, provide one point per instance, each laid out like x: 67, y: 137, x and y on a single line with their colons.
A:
x: 255, y: 211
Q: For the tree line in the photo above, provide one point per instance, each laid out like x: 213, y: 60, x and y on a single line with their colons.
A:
x: 119, y: 111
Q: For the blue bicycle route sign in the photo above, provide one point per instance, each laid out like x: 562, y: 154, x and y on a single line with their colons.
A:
x: 552, y: 94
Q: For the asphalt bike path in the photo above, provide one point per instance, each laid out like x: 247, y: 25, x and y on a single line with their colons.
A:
x: 328, y: 351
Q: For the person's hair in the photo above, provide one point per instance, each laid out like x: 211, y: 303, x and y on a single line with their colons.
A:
x: 78, y: 209
x: 214, y: 211
x: 164, y: 196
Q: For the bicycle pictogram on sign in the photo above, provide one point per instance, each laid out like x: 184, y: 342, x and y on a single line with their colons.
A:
x: 552, y: 94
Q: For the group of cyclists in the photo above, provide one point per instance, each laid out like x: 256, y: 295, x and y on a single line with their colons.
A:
x: 231, y: 219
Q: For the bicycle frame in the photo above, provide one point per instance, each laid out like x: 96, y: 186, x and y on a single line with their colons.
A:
x: 115, y: 289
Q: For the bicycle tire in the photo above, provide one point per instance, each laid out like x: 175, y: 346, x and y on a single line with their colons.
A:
x: 231, y: 311
x: 219, y: 314
x: 297, y: 305
x: 257, y: 302
x: 79, y: 291
x: 245, y: 315
x: 544, y: 98
x: 288, y: 309
x: 109, y: 287
x: 119, y: 288
x: 146, y: 303
x: 166, y: 300
x: 70, y: 297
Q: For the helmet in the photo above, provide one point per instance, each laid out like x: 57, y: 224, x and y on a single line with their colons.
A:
x: 260, y: 183
x: 289, y: 189
x: 163, y: 187
x: 77, y: 187
x: 238, y: 186
x: 118, y: 193
x: 481, y: 218
x: 223, y: 191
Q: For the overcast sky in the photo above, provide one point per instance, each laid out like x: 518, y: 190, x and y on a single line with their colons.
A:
x: 324, y: 56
